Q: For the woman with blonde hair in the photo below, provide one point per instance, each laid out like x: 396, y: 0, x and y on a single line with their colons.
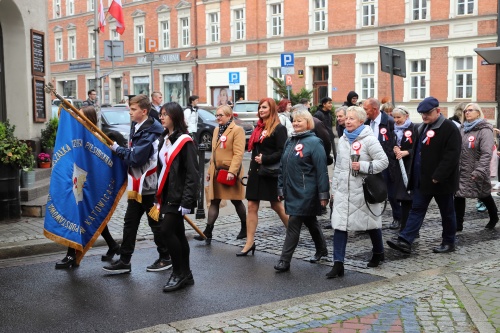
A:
x: 475, y: 158
x: 266, y: 144
x: 228, y: 146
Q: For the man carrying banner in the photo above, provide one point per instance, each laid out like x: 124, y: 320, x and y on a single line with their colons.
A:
x: 141, y: 158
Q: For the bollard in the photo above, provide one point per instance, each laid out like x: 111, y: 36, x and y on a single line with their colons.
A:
x: 200, y: 210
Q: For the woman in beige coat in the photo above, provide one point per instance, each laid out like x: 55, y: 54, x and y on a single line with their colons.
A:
x: 228, y: 146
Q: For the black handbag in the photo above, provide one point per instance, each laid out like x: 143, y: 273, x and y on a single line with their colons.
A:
x: 271, y: 170
x: 374, y: 189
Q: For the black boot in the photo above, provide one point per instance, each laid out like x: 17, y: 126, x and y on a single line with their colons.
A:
x: 337, y: 270
x: 376, y: 259
x: 207, y: 232
x: 492, y: 223
x: 460, y: 224
x: 243, y: 230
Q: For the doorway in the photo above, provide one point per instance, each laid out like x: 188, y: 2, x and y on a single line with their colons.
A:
x: 320, y: 83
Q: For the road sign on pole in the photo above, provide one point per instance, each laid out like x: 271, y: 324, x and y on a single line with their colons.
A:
x: 287, y: 63
x: 151, y: 45
x: 234, y: 80
x: 288, y: 80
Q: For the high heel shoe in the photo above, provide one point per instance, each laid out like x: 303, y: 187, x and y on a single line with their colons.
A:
x: 243, y: 254
x: 67, y: 262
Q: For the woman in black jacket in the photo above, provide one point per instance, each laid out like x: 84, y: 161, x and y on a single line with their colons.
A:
x: 266, y: 144
x: 177, y: 188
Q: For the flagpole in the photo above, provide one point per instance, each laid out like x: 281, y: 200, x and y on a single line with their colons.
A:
x: 97, y: 63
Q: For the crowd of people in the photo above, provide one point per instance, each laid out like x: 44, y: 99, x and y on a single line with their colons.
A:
x: 445, y: 159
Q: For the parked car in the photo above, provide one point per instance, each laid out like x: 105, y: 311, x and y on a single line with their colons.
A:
x: 116, y: 119
x: 77, y: 103
x: 207, y: 123
x: 247, y: 111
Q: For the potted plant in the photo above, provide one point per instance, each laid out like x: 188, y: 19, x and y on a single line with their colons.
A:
x: 27, y: 172
x: 48, y: 138
x: 43, y: 160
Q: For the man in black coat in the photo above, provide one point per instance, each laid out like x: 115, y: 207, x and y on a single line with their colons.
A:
x: 324, y: 113
x: 383, y: 128
x: 434, y: 174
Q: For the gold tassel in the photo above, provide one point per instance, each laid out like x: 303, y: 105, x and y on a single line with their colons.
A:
x: 133, y: 195
x: 154, y: 213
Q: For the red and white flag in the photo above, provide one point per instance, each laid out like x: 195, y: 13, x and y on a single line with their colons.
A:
x: 102, y: 18
x: 116, y: 11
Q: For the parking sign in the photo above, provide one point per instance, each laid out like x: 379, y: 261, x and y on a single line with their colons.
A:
x: 234, y: 78
x: 287, y: 60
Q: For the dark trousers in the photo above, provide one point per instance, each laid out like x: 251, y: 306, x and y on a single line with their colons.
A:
x: 405, y: 212
x: 174, y: 233
x: 293, y: 233
x: 395, y: 206
x: 132, y: 219
x: 340, y: 243
x: 419, y: 209
x: 488, y: 201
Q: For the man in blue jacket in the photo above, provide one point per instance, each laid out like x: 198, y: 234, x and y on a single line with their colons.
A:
x: 434, y: 174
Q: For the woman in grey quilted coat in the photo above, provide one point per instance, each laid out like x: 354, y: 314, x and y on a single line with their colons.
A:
x: 475, y: 158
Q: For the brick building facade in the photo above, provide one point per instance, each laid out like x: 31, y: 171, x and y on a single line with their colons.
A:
x: 335, y: 44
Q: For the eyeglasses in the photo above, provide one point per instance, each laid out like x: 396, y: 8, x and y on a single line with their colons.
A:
x: 470, y: 110
x: 163, y: 114
x: 219, y: 115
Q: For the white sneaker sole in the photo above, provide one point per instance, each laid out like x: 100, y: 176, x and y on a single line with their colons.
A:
x: 158, y: 269
x: 117, y: 271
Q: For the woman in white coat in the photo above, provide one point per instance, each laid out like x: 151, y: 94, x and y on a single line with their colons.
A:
x: 350, y: 212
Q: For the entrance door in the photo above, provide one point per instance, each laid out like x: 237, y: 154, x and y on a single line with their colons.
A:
x: 320, y: 85
x: 3, y: 111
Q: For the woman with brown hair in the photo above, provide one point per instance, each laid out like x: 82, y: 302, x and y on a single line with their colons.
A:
x: 228, y: 147
x: 266, y: 144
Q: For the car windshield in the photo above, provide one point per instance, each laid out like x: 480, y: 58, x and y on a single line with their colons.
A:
x: 246, y: 107
x: 205, y: 115
x: 116, y: 117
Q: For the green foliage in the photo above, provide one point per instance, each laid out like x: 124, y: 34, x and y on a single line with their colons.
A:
x: 280, y: 89
x: 12, y: 150
x: 48, y: 139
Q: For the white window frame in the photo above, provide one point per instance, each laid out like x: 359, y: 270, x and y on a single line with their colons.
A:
x: 367, y: 78
x: 319, y: 15
x: 213, y: 27
x: 276, y: 19
x: 90, y: 5
x: 164, y: 34
x: 239, y: 24
x: 371, y: 15
x: 57, y: 8
x: 71, y: 47
x: 91, y: 35
x: 463, y: 7
x: 421, y: 10
x: 184, y: 35
x: 139, y: 38
x: 421, y: 75
x: 113, y: 34
x: 464, y: 69
x: 70, y: 7
x: 59, y: 56
x: 276, y: 73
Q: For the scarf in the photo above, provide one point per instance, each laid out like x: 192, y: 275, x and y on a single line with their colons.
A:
x: 255, y: 137
x: 399, y: 130
x: 470, y: 126
x: 351, y: 136
x: 300, y: 133
x: 222, y: 128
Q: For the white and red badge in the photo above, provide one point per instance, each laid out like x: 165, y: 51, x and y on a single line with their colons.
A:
x: 356, y: 146
x: 408, y: 135
x: 471, y: 139
x: 383, y: 132
x: 298, y: 149
x: 223, y: 140
x: 428, y: 136
x: 263, y: 136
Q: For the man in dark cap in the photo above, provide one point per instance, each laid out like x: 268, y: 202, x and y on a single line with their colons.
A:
x: 434, y: 175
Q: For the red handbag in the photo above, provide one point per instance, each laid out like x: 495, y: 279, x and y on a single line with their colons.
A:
x: 222, y: 178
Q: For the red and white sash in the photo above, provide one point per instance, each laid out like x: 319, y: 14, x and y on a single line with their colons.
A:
x: 134, y: 185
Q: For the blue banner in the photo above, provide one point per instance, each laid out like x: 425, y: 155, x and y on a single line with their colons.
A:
x: 87, y: 183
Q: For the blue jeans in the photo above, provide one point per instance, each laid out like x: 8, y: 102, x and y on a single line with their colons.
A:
x: 419, y: 209
x: 340, y: 243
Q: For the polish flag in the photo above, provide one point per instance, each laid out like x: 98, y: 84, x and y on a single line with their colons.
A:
x: 116, y: 11
x: 102, y: 19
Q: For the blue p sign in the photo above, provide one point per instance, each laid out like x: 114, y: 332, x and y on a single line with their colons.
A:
x: 234, y: 77
x: 287, y: 60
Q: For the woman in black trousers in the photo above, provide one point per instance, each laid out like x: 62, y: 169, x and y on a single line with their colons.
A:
x: 177, y: 188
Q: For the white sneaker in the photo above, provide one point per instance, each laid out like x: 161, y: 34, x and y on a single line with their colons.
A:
x: 497, y: 186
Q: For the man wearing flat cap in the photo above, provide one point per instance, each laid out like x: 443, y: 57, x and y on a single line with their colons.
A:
x: 434, y: 175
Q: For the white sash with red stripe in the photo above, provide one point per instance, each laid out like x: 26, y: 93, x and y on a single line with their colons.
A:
x: 134, y: 185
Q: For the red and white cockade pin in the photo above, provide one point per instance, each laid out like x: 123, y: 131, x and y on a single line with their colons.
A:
x: 383, y: 131
x: 298, y: 149
x: 428, y: 136
x: 408, y: 136
x: 223, y: 140
x: 471, y: 141
x: 356, y: 146
x: 263, y: 135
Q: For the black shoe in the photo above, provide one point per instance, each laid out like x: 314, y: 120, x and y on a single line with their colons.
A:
x: 317, y: 256
x: 395, y: 225
x: 208, y: 233
x: 282, y: 266
x: 159, y: 265
x: 189, y: 279
x: 337, y: 270
x: 491, y: 224
x: 118, y: 267
x: 400, y: 245
x: 444, y: 248
x: 67, y: 262
x: 175, y: 282
x: 460, y: 226
x: 375, y: 260
x: 111, y: 253
x: 243, y: 231
x: 243, y: 254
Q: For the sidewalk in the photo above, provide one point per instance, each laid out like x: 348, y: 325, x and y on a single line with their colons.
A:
x: 424, y: 292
